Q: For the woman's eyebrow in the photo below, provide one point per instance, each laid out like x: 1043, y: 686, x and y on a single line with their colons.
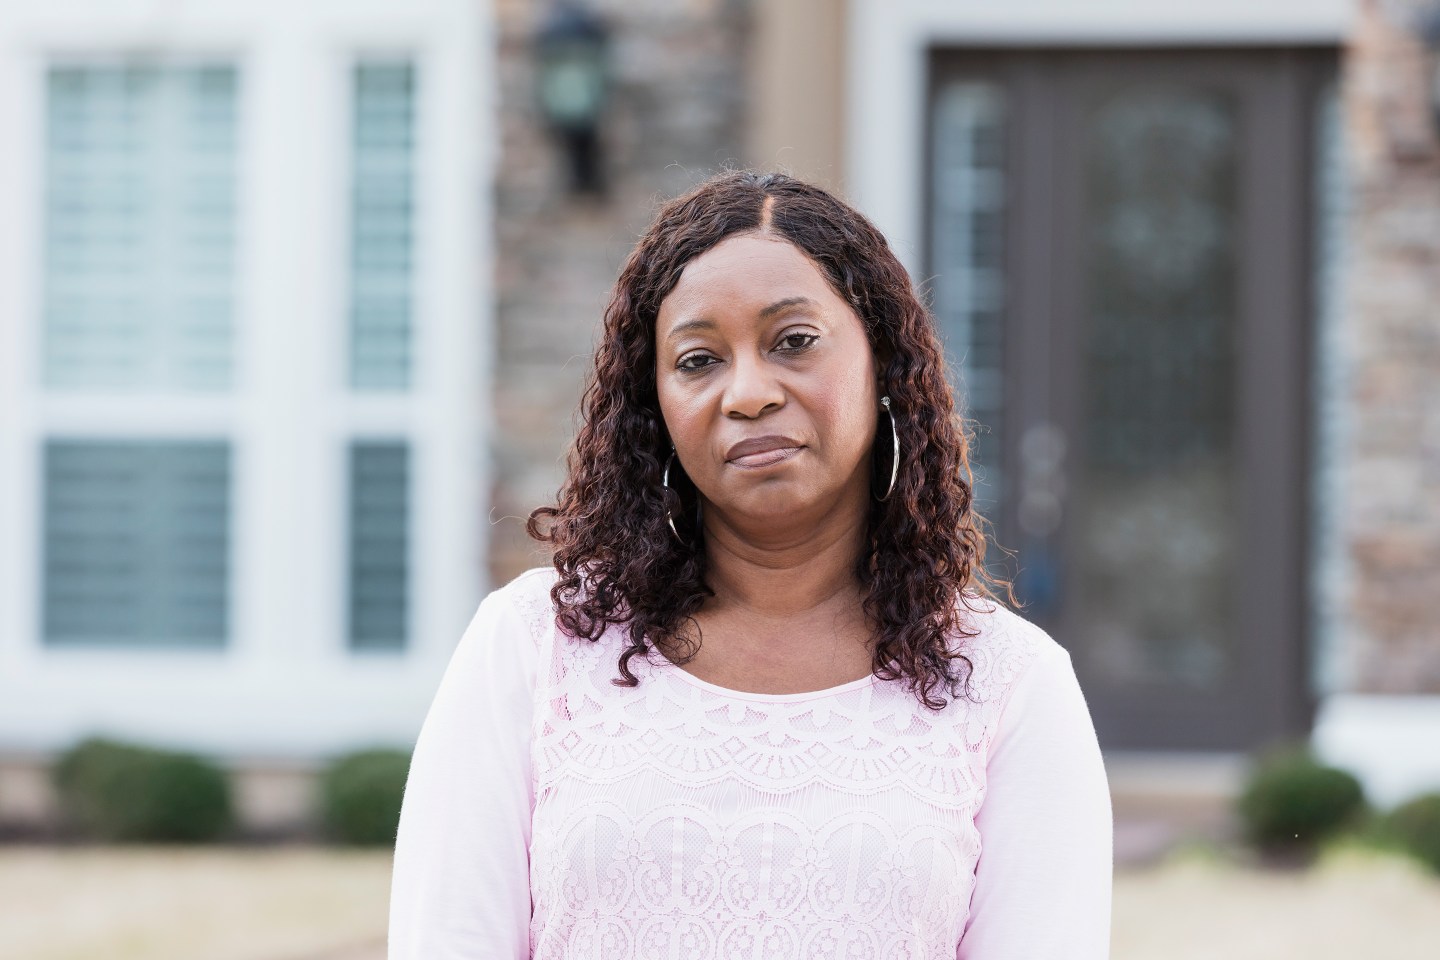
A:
x: 779, y: 305
x: 766, y: 313
x: 705, y: 323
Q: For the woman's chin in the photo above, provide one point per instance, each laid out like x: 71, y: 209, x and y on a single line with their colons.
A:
x: 773, y: 512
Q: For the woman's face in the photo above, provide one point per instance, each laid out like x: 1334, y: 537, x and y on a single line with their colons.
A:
x: 767, y: 385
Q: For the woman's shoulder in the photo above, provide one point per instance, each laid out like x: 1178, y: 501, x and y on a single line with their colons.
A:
x: 1002, y: 645
x: 536, y: 581
x: 528, y: 594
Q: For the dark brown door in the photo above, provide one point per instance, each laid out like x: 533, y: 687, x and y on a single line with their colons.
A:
x: 1119, y: 262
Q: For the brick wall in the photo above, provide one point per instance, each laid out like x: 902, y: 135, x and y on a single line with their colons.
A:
x: 1392, y: 334
x: 675, y: 115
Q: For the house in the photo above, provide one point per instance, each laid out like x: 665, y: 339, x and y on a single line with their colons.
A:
x: 296, y: 302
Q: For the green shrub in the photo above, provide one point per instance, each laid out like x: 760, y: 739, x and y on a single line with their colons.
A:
x: 1292, y: 801
x: 1415, y: 828
x: 360, y: 796
x: 119, y: 792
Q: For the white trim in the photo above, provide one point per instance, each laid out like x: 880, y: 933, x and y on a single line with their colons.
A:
x: 287, y: 685
x: 887, y: 42
x: 1392, y: 743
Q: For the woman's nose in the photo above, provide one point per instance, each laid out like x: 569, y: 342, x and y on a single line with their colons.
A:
x: 751, y: 390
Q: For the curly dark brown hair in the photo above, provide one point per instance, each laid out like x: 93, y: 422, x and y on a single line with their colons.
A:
x: 617, y: 560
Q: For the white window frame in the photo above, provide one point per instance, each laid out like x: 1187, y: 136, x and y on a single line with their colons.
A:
x: 287, y: 683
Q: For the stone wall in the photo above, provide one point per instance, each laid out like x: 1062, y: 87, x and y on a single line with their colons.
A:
x: 1392, y: 334
x: 676, y: 114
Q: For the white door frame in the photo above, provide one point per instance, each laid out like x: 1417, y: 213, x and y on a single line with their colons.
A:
x: 887, y: 42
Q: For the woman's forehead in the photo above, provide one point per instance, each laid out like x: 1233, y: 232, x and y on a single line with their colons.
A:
x: 748, y: 273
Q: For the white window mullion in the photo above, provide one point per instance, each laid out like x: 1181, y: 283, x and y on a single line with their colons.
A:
x: 453, y: 398
x: 290, y: 556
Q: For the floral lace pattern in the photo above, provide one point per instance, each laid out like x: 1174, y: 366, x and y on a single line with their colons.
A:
x: 678, y: 819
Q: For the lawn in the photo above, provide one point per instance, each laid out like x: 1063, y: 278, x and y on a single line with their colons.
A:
x: 318, y: 904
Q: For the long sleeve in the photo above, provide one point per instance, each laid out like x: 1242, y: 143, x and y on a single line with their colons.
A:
x: 460, y: 887
x: 1043, y: 880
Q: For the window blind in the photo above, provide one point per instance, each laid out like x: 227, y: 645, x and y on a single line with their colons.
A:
x: 382, y: 228
x: 136, y: 542
x: 379, y: 544
x: 140, y: 227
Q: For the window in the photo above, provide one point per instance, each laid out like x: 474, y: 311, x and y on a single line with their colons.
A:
x: 138, y: 299
x: 139, y: 302
x: 381, y: 309
x: 379, y: 473
x: 242, y: 406
x: 140, y: 218
x: 136, y: 542
x: 967, y: 240
x: 382, y: 228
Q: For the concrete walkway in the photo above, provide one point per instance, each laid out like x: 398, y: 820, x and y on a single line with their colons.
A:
x: 191, y: 904
x: 1194, y: 903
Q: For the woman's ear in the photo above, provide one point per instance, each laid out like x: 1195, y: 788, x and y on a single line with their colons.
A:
x: 657, y: 423
x: 882, y: 356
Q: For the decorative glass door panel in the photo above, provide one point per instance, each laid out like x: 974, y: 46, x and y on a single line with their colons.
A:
x: 1130, y: 334
x: 967, y: 236
x: 1154, y: 495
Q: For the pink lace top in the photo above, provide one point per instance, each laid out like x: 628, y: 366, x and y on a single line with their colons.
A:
x: 550, y: 814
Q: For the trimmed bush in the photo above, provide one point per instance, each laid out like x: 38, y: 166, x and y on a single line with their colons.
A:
x: 360, y: 796
x: 118, y: 792
x: 1291, y: 801
x: 1415, y: 828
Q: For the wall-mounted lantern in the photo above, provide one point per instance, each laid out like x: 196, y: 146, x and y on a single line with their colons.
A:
x: 572, y: 70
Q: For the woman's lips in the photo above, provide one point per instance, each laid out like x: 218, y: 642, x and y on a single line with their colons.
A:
x: 764, y: 458
x: 755, y: 452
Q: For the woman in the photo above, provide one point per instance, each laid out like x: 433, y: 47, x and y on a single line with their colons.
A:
x: 717, y: 727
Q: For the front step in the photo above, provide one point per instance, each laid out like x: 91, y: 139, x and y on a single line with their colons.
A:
x: 1163, y: 799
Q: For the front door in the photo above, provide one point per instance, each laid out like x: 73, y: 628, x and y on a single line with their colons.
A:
x: 1119, y: 263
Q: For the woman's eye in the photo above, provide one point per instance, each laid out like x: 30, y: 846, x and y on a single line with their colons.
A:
x: 796, y: 342
x: 694, y: 361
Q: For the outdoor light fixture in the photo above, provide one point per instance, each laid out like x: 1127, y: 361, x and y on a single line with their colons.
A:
x: 572, y: 70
